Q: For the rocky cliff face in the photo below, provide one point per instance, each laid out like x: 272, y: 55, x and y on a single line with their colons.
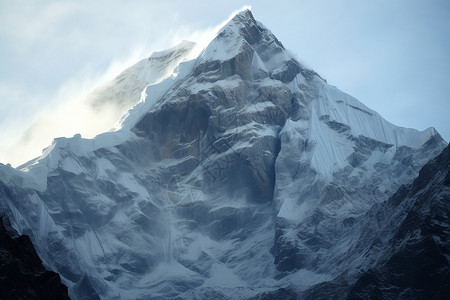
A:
x: 22, y: 274
x: 414, y: 231
x: 402, y: 249
x: 242, y: 174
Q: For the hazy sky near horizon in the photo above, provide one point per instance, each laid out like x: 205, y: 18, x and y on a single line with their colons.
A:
x: 391, y: 55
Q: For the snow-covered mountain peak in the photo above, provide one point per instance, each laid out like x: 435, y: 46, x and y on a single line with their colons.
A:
x: 254, y: 46
x: 235, y: 173
x: 330, y: 122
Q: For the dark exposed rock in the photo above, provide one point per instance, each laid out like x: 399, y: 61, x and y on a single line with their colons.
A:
x: 418, y: 265
x: 408, y: 254
x: 280, y: 294
x: 176, y: 125
x: 22, y: 275
x: 84, y: 290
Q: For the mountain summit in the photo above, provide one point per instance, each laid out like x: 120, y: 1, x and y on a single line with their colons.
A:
x: 238, y: 174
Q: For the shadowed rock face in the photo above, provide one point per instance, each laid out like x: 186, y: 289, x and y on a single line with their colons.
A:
x: 242, y: 175
x: 22, y: 275
x: 417, y: 264
x: 406, y: 239
x: 213, y: 119
x: 176, y: 129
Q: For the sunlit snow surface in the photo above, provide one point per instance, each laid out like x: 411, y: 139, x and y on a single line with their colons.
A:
x: 235, y: 173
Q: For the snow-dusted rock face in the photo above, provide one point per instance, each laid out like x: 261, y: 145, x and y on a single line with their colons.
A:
x: 413, y: 228
x: 403, y: 244
x: 241, y: 174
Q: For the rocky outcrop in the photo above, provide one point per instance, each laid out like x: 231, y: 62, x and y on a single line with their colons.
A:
x: 22, y: 275
x: 403, y: 249
x: 417, y: 259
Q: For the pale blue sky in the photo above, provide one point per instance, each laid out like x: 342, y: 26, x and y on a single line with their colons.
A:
x: 391, y: 55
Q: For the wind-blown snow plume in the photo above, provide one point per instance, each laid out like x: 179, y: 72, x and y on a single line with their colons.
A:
x: 71, y: 110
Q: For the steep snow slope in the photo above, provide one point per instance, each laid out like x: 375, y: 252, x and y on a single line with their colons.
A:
x: 125, y: 90
x: 239, y: 174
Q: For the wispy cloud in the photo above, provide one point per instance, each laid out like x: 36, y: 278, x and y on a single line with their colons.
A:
x: 32, y: 118
x: 43, y: 106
